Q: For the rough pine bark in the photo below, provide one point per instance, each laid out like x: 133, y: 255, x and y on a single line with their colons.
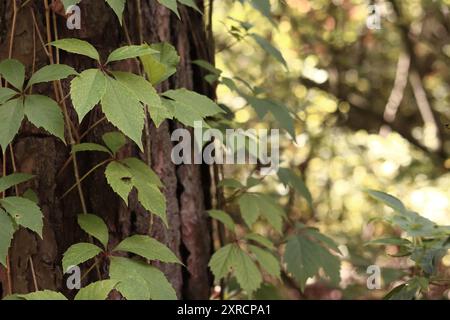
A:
x: 36, y: 152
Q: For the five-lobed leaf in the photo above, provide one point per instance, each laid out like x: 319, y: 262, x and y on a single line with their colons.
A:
x: 78, y: 254
x: 148, y: 248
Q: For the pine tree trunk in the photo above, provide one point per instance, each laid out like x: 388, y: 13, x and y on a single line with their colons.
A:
x: 46, y: 157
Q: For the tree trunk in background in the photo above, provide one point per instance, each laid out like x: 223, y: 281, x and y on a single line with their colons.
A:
x: 38, y: 153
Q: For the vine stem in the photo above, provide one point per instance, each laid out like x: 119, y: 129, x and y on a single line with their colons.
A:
x: 8, y: 268
x: 59, y: 94
x: 10, y: 50
x: 33, y: 273
x: 148, y: 144
x: 85, y: 176
x: 94, y: 265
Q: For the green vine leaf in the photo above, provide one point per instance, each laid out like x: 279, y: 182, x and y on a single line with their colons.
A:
x: 269, y: 48
x: 231, y: 257
x: 86, y: 90
x: 388, y: 200
x: 118, y: 6
x: 140, y: 281
x: 208, y: 66
x: 123, y: 110
x: 45, y: 112
x: 119, y: 178
x: 280, y: 112
x: 161, y: 112
x: 88, y: 146
x: 267, y: 261
x: 114, y: 141
x: 162, y: 65
x: 6, y: 94
x: 42, y: 295
x: 24, y: 212
x: 77, y: 46
x: 145, y: 93
x: 78, y: 254
x: 289, y: 178
x: 172, y: 5
x: 94, y: 226
x: 6, y: 235
x: 31, y: 195
x: 141, y: 172
x: 306, y: 254
x: 51, y: 72
x: 97, y: 291
x: 248, y: 203
x: 190, y: 3
x: 223, y: 217
x: 11, y: 116
x: 68, y: 3
x: 230, y: 183
x: 264, y: 7
x: 148, y: 248
x: 14, y: 72
x: 264, y: 241
x: 254, y: 205
x: 147, y: 184
x: 191, y: 106
x: 128, y: 52
x: 13, y: 180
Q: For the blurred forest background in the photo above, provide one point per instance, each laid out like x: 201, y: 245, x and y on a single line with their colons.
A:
x: 371, y: 110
